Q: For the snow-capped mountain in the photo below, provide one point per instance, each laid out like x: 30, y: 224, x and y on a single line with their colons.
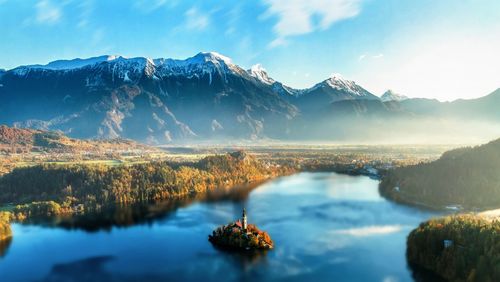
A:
x: 200, y: 64
x: 337, y: 82
x: 153, y: 100
x: 260, y: 73
x: 331, y: 90
x: 339, y: 88
x: 390, y: 95
x: 203, y: 97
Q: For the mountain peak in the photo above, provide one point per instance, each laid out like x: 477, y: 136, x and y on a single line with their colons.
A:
x: 204, y: 57
x: 336, y: 76
x: 338, y: 82
x: 390, y: 95
x: 260, y: 73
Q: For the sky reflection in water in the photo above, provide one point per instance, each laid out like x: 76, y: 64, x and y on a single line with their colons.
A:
x: 325, y: 227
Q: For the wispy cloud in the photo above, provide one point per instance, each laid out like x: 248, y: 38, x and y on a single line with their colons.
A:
x: 378, y: 56
x: 361, y: 57
x: 196, y: 20
x: 47, y: 12
x: 296, y: 17
x: 86, y: 8
x: 232, y: 19
x: 279, y: 41
x: 148, y: 6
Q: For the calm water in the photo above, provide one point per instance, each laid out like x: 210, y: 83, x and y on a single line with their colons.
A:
x: 326, y: 227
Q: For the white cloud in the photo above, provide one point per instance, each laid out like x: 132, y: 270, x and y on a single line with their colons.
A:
x: 296, y: 17
x: 378, y: 56
x: 361, y: 57
x: 370, y: 230
x: 47, y: 12
x: 196, y: 20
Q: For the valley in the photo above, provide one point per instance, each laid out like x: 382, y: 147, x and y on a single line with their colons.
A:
x: 325, y: 140
x: 208, y: 97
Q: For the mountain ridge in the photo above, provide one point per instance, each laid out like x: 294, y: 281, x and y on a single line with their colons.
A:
x: 205, y: 96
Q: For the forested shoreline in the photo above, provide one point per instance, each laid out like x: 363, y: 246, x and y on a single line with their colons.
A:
x: 458, y: 248
x: 5, y: 230
x: 468, y: 177
x: 48, y: 190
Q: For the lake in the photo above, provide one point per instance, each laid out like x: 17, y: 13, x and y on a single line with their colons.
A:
x: 325, y: 226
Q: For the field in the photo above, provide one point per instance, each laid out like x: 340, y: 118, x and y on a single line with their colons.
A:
x: 313, y: 155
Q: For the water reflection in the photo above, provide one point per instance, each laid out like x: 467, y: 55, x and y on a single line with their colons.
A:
x: 420, y: 274
x: 4, y: 246
x: 89, y: 269
x: 326, y: 227
x: 136, y: 214
x: 93, y: 269
x: 244, y: 260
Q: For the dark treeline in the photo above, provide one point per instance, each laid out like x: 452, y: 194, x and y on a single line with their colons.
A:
x: 472, y: 254
x: 57, y: 189
x: 123, y: 215
x: 468, y: 176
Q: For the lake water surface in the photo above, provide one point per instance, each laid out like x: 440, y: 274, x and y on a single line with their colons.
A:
x: 325, y: 226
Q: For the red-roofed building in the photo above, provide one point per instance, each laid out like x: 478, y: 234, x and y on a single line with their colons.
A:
x: 238, y: 223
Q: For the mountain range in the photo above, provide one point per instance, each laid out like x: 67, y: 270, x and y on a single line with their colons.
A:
x: 208, y: 97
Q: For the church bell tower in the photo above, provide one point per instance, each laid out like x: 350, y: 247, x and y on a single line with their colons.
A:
x: 244, y: 220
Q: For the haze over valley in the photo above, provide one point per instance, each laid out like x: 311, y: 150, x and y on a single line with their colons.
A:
x: 209, y: 97
x: 269, y: 140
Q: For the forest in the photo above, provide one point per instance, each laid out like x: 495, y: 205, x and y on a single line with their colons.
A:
x: 5, y: 231
x: 46, y: 190
x: 468, y: 177
x: 472, y: 254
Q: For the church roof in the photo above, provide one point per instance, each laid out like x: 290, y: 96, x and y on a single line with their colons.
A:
x: 238, y: 223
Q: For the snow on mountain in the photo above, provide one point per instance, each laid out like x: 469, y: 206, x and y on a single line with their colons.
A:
x: 390, y: 95
x: 75, y: 63
x: 336, y: 81
x: 341, y: 88
x: 200, y: 64
x: 260, y: 73
x: 204, y: 63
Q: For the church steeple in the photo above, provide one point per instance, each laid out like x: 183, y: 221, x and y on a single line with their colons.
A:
x: 244, y: 220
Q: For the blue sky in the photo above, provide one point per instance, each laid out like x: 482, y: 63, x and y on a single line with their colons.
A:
x: 444, y: 49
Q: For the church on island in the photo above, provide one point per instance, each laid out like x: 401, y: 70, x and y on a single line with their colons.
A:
x: 241, y: 235
x: 243, y: 224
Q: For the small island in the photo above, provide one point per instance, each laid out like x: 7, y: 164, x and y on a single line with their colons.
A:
x: 239, y: 235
